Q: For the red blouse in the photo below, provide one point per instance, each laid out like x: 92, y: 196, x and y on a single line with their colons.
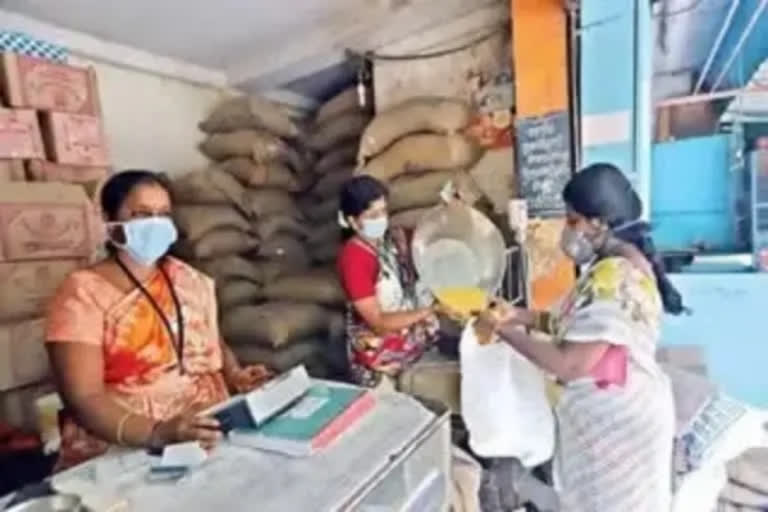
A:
x: 358, y: 269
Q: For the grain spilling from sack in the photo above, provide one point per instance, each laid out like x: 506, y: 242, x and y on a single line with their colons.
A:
x: 248, y: 112
x: 339, y: 157
x: 330, y: 184
x: 344, y: 102
x: 281, y: 224
x: 217, y: 243
x: 231, y: 294
x: 433, y: 115
x: 273, y: 324
x: 265, y: 202
x: 210, y: 186
x: 318, y: 286
x: 195, y: 221
x: 419, y: 153
x: 338, y: 130
x: 258, y: 145
x: 253, y: 174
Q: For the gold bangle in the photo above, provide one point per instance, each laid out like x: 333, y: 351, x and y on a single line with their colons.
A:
x: 121, y: 427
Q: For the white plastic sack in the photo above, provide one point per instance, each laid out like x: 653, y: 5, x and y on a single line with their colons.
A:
x: 504, y: 402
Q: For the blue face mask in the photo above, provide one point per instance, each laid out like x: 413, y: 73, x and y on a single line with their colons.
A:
x: 148, y: 239
x: 374, y: 229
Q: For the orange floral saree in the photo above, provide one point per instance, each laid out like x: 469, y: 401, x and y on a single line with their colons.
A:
x: 141, y: 367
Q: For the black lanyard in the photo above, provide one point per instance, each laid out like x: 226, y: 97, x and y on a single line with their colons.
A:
x: 177, y: 341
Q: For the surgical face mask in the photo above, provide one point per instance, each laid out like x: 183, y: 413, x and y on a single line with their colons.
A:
x: 147, y: 239
x: 374, y: 229
x: 577, y: 246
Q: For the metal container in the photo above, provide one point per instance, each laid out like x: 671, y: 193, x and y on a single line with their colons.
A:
x: 53, y: 503
x: 454, y: 245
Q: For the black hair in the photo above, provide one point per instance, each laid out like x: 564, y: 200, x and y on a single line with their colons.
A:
x: 601, y: 191
x: 120, y: 185
x: 357, y: 194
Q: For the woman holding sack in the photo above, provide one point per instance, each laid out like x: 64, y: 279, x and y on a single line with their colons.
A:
x: 615, y: 413
x: 134, y: 341
x: 390, y: 321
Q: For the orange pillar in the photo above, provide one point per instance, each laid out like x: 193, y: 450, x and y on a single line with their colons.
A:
x: 540, y: 61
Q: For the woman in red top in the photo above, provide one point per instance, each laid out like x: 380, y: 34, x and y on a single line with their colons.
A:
x: 390, y: 321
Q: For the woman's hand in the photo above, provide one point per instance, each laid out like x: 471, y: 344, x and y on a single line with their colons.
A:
x: 488, y: 321
x: 243, y: 380
x: 189, y: 427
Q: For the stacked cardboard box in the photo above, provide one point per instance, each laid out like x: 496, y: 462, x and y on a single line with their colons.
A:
x: 52, y: 143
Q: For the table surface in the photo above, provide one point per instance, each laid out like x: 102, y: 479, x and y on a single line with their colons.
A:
x: 243, y: 479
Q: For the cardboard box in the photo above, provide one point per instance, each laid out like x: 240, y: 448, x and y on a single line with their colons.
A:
x: 31, y: 82
x: 27, y: 286
x: 43, y: 221
x: 42, y: 170
x: 23, y: 358
x: 20, y: 134
x: 19, y: 407
x: 12, y: 170
x: 74, y: 139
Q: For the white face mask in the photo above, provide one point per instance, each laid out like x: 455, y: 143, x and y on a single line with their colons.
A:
x: 374, y: 229
x: 575, y: 244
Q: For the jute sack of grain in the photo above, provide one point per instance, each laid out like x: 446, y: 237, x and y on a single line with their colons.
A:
x: 258, y: 145
x: 194, y: 221
x: 233, y: 267
x: 217, y: 243
x: 287, y: 249
x: 408, y: 219
x: 273, y: 225
x: 318, y: 286
x: 319, y: 211
x: 418, y: 153
x: 324, y: 253
x: 210, y: 186
x: 273, y: 324
x: 342, y: 156
x: 234, y: 293
x: 330, y: 184
x: 305, y: 352
x: 495, y: 177
x: 335, y: 131
x: 263, y: 202
x: 433, y: 115
x: 247, y: 112
x: 423, y: 190
x: 270, y: 174
x: 328, y: 232
x: 346, y: 101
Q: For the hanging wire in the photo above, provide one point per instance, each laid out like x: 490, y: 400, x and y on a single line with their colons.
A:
x: 373, y: 56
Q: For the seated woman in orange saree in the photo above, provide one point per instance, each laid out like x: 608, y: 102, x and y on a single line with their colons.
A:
x: 134, y: 340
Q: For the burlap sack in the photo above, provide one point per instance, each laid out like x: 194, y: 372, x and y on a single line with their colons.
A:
x: 339, y: 157
x: 231, y: 294
x: 418, y: 153
x: 273, y: 225
x: 305, y: 352
x: 335, y: 131
x: 252, y: 174
x: 409, y: 192
x: 263, y: 202
x: 229, y: 268
x: 325, y: 253
x: 287, y: 249
x: 248, y: 112
x: 326, y: 233
x: 434, y: 115
x: 258, y: 145
x: 494, y: 175
x: 408, y: 219
x: 344, y: 102
x: 318, y: 286
x: 217, y: 243
x: 320, y: 211
x: 194, y: 221
x: 273, y: 324
x: 210, y: 186
x: 330, y: 184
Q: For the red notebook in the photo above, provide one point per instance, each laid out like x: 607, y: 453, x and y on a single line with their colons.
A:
x: 611, y: 369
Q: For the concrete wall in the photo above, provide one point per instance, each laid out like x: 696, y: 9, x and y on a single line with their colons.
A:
x: 151, y: 121
x: 730, y: 322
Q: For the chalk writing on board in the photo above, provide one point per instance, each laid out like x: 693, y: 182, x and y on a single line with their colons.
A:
x: 544, y: 161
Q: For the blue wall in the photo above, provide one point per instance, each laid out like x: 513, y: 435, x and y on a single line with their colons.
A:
x: 752, y: 54
x: 691, y: 194
x: 730, y: 321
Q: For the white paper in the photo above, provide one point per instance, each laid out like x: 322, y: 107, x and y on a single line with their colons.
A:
x: 184, y: 455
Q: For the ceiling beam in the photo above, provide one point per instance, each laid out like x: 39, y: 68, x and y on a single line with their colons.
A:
x: 93, y: 48
x: 372, y: 29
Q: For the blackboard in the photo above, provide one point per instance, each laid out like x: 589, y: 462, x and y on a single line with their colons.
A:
x: 543, y: 162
